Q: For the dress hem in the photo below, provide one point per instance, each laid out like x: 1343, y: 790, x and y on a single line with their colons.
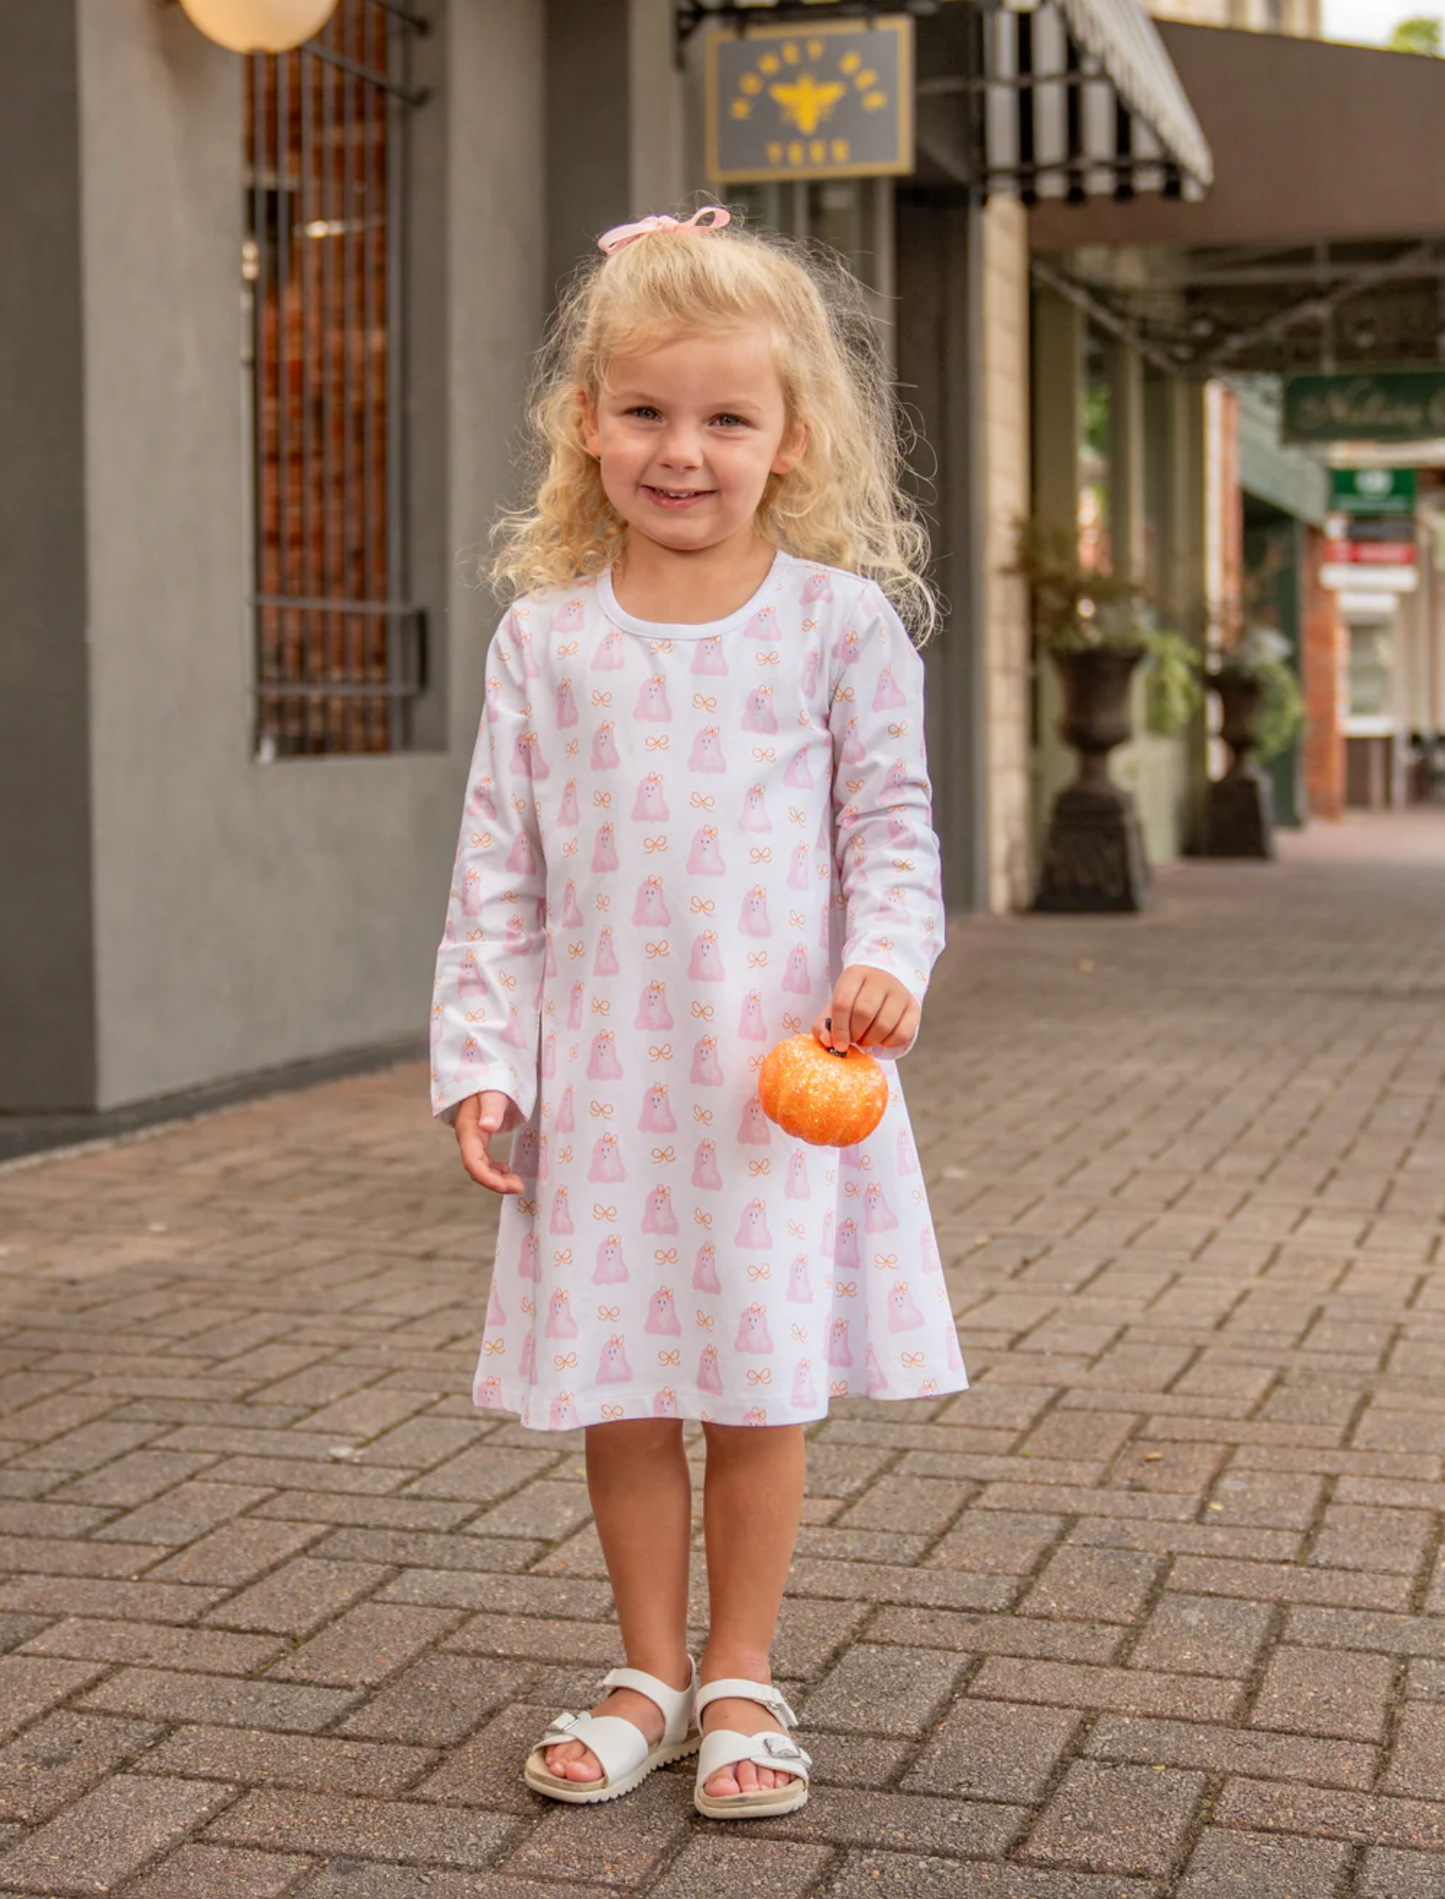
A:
x: 686, y: 1407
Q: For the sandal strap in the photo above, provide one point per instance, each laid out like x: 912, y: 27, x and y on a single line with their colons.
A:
x: 725, y: 1747
x: 674, y: 1704
x: 618, y: 1745
x: 766, y: 1693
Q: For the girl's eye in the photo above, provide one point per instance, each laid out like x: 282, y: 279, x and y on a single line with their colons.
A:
x: 735, y: 419
x: 643, y: 410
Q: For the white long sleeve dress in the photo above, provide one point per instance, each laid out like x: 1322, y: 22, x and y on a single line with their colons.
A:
x: 675, y: 838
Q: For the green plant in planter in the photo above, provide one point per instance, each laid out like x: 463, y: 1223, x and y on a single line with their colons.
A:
x: 1262, y: 654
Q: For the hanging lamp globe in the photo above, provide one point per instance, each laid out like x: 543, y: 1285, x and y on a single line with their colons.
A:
x: 259, y: 26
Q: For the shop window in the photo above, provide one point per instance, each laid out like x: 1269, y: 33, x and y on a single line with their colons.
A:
x: 1371, y: 670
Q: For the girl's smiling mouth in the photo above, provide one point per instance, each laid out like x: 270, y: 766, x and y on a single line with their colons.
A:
x: 678, y: 497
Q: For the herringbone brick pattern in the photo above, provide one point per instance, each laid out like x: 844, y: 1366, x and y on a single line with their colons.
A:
x: 1156, y: 1609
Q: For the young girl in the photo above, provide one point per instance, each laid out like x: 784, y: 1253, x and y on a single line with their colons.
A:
x: 697, y: 822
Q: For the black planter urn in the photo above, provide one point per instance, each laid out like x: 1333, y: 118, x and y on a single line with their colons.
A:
x: 1239, y: 817
x: 1094, y: 856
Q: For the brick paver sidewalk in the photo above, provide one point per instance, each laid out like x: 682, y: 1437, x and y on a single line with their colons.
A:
x: 1154, y: 1609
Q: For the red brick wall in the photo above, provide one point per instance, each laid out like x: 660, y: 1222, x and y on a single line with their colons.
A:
x: 1323, y: 656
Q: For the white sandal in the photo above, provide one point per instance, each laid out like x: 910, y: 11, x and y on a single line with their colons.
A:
x: 623, y: 1750
x: 725, y: 1747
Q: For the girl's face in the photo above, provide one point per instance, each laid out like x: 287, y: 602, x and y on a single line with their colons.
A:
x: 686, y: 436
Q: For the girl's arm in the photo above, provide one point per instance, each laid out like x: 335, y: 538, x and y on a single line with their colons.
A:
x: 489, y: 966
x: 887, y: 853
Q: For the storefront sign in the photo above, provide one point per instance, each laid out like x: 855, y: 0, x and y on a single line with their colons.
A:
x: 831, y: 100
x: 1391, y: 406
x: 1340, y: 576
x: 1372, y: 491
x: 1372, y: 553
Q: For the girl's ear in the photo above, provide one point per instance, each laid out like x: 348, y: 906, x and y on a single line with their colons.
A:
x: 591, y: 439
x: 790, y: 449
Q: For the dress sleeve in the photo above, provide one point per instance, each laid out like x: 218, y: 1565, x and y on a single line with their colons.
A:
x: 486, y: 998
x: 887, y: 853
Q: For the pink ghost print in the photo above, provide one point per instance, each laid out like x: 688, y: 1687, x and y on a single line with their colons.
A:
x: 479, y: 803
x: 901, y: 834
x: 664, y: 1405
x: 878, y: 1216
x: 604, y: 748
x: 818, y: 586
x: 527, y: 1359
x: 892, y: 904
x: 561, y: 1217
x: 566, y: 1120
x: 549, y: 967
x: 496, y: 1312
x: 650, y: 804
x: 800, y: 1287
x: 544, y: 1164
x: 470, y: 1057
x: 612, y: 1366
x: 705, y: 963
x: 529, y: 1260
x: 751, y: 1026
x: 804, y: 1396
x: 487, y: 1393
x: 604, y: 850
x: 651, y: 904
x: 709, y: 660
x: 536, y: 764
x: 569, y: 618
x: 609, y: 656
x: 954, y: 1355
x: 706, y: 1069
x: 799, y: 774
x: 825, y: 1244
x: 563, y: 1414
x: 657, y: 1115
x: 611, y: 1268
x: 602, y: 1063
x: 652, y: 1009
x: 513, y: 1032
x: 763, y: 625
x: 888, y: 695
x: 707, y: 752
x: 662, y: 1314
x: 852, y: 751
x: 755, y: 811
x: 704, y: 1166
x: 704, y: 1270
x: 469, y: 977
x: 652, y: 703
x: 845, y: 1247
x: 845, y: 647
x: 517, y: 939
x: 877, y: 1381
x: 605, y: 962
x: 903, y: 1313
x: 851, y: 1157
x: 755, y: 1416
x: 568, y: 811
x: 754, y: 918
x: 657, y: 1215
x: 574, y: 1004
x: 825, y: 831
x: 566, y: 704
x: 796, y: 1187
x: 928, y: 1252
x: 753, y: 1333
x: 758, y: 714
x: 838, y: 1352
x: 472, y: 891
x: 606, y: 1160
x: 795, y: 976
x: 754, y: 1130
x: 709, y: 1378
x: 705, y: 859
x: 560, y: 1323
x: 753, y: 1225
x: 907, y: 1153
x: 549, y: 1053
x: 810, y: 671
x: 896, y: 778
x: 800, y: 867
x: 571, y: 913
x: 524, y: 1153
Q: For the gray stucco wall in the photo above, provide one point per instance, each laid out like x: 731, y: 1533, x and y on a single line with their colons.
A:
x: 47, y: 1013
x: 246, y: 915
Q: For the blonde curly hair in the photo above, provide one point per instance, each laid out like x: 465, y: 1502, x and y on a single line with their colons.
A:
x: 842, y: 503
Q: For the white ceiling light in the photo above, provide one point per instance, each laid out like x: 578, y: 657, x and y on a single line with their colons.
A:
x: 259, y: 26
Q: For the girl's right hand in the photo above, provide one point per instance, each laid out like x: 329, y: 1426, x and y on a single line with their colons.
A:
x: 479, y: 1117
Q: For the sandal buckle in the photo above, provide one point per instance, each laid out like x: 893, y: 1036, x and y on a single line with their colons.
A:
x: 781, y: 1748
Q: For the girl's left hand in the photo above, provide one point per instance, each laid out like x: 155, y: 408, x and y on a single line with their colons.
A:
x: 869, y: 1007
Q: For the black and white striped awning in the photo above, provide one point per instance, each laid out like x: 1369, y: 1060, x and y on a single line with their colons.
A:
x: 1081, y: 101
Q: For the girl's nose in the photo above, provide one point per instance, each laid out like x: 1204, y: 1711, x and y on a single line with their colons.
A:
x: 680, y: 449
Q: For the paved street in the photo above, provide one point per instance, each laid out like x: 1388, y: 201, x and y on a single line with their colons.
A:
x: 1153, y: 1609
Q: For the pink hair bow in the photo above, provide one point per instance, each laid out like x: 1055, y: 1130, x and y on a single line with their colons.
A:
x: 712, y: 217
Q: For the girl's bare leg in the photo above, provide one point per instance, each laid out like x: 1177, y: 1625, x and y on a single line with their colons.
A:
x: 637, y: 1478
x: 752, y: 1500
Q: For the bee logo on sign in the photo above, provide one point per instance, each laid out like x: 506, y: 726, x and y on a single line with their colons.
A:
x: 834, y: 101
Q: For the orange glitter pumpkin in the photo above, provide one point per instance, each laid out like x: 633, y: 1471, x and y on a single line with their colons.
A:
x: 816, y: 1096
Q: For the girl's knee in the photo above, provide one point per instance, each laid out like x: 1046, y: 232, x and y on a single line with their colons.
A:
x: 751, y: 1440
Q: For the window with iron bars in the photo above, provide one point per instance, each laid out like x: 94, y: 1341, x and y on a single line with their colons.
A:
x: 339, y: 648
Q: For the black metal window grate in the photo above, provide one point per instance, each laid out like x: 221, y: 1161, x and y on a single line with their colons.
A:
x: 340, y: 650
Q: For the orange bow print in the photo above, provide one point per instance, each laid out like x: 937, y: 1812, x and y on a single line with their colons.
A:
x: 760, y: 1272
x: 900, y: 730
x: 493, y: 1348
x: 701, y: 906
x: 609, y: 1314
x: 703, y: 1012
x: 600, y: 698
x: 612, y: 1411
x: 757, y: 1167
x: 565, y: 1361
x: 769, y: 659
x: 705, y: 1320
x: 701, y: 1217
x: 884, y: 1260
x: 760, y: 854
x: 476, y: 1015
x: 664, y: 948
x: 564, y: 1258
x: 657, y: 742
x: 660, y: 1052
x: 910, y: 1361
x: 599, y: 1212
x: 792, y: 1023
x: 796, y: 1229
x: 601, y: 1006
x: 846, y: 1288
x: 757, y: 959
x: 702, y: 801
x: 704, y: 1115
x: 602, y: 800
x: 568, y: 650
x: 764, y: 1377
x: 800, y: 1334
x: 669, y: 1358
x: 574, y: 950
x: 652, y: 844
x: 701, y: 702
x: 765, y: 754
x: 665, y: 1255
x: 661, y: 1155
x: 603, y: 1110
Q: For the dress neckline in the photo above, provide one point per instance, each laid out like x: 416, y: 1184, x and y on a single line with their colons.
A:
x: 703, y: 629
